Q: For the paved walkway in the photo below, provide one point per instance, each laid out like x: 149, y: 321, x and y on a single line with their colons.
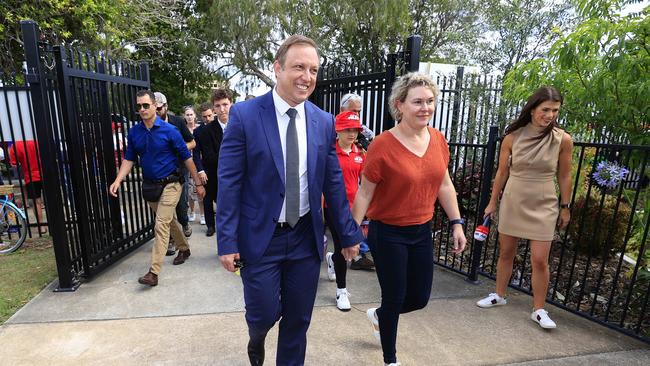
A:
x: 195, y: 316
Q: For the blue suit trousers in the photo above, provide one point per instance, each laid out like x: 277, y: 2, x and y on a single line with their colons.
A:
x: 282, y: 286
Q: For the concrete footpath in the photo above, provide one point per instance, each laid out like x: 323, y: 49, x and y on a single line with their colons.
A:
x: 195, y: 316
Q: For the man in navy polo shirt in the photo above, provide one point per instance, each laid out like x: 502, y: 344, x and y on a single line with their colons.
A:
x: 159, y: 145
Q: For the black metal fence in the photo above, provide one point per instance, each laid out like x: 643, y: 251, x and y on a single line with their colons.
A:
x: 468, y: 105
x: 470, y: 102
x: 599, y: 265
x: 371, y: 80
x: 82, y: 106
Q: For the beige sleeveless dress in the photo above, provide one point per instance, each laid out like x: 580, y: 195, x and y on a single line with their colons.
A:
x: 529, y: 206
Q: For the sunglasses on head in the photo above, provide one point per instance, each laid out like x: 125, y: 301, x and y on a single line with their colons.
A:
x: 139, y: 106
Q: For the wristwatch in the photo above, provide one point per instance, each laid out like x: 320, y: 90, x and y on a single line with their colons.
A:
x: 456, y: 221
x: 565, y: 205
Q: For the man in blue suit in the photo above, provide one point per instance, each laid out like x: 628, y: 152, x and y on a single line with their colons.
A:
x: 277, y: 160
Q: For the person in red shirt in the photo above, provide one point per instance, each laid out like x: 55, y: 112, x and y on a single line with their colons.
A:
x: 404, y: 174
x: 26, y: 154
x: 351, y: 157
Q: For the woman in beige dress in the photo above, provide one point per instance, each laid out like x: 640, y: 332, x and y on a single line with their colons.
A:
x: 533, y: 152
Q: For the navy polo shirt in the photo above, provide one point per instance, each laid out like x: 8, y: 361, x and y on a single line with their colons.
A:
x: 159, y: 148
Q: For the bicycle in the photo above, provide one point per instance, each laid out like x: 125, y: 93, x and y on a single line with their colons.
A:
x: 13, y: 222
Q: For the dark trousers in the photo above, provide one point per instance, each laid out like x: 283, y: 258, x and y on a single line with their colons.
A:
x: 209, y: 199
x: 181, y: 207
x: 404, y: 263
x: 340, y: 265
x: 282, y: 286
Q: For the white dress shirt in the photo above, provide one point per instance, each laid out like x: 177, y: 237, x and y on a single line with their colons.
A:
x: 223, y: 125
x: 281, y: 108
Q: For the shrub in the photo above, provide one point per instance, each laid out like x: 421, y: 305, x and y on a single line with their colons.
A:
x: 467, y: 181
x: 596, y: 231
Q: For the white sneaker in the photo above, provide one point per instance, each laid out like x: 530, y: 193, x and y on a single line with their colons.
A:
x: 393, y: 364
x: 331, y: 274
x: 342, y: 299
x: 202, y: 219
x: 540, y: 316
x: 192, y: 217
x: 372, y: 316
x: 490, y: 301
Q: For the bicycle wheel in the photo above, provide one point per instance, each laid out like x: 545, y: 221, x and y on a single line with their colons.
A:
x: 13, y: 229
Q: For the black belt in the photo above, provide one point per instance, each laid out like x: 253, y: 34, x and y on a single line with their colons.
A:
x: 172, y: 178
x: 282, y: 226
x: 285, y: 225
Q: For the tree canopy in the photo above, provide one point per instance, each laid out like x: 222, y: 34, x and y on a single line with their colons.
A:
x: 244, y: 34
x: 602, y: 69
x: 596, y: 56
x: 519, y: 30
x: 162, y: 32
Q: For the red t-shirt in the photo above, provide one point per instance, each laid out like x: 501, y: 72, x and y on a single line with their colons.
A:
x: 351, y: 165
x: 26, y: 150
x: 407, y: 185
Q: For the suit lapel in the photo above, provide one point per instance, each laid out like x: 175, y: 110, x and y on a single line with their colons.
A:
x: 270, y: 127
x: 312, y: 143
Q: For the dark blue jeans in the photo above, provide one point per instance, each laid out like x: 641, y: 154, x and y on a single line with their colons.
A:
x: 404, y: 263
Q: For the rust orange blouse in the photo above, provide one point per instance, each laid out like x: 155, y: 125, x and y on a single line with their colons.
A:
x: 407, y: 185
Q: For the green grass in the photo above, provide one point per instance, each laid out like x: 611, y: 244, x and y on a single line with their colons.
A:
x: 24, y: 273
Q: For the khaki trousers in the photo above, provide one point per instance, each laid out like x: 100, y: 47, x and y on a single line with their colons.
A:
x: 166, y: 224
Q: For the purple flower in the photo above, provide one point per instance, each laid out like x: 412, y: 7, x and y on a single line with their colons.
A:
x: 608, y: 175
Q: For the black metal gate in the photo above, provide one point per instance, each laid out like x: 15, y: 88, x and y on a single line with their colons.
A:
x: 600, y: 265
x: 371, y: 80
x: 83, y: 107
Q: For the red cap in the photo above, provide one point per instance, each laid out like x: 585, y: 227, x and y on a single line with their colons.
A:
x: 347, y: 119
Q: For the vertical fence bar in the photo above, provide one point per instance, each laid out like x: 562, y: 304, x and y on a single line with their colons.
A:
x: 488, y: 169
x: 74, y: 140
x: 412, y: 54
x: 106, y: 133
x: 391, y: 74
x: 458, y: 94
x: 51, y: 184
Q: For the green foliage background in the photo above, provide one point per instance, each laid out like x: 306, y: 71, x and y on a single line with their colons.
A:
x: 602, y: 67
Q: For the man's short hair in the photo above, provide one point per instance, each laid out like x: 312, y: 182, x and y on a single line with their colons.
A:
x: 221, y: 94
x: 281, y: 55
x: 143, y: 92
x: 205, y: 106
x: 347, y: 98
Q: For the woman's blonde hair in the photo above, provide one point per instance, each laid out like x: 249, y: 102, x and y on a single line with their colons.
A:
x: 402, y: 86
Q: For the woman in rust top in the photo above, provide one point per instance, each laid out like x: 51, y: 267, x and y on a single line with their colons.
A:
x: 405, y: 173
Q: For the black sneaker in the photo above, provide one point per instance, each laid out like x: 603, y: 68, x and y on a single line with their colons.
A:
x: 209, y: 232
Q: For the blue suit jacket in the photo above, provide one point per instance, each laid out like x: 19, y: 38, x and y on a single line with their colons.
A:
x: 251, y: 179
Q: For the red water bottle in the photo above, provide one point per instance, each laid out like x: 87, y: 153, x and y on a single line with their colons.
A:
x: 483, y: 231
